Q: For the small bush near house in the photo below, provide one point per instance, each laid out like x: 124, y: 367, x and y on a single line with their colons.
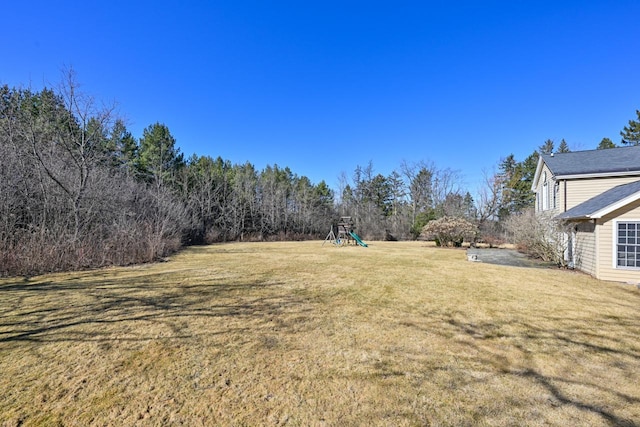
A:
x: 538, y: 235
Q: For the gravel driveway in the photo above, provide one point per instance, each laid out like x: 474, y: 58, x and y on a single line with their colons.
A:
x: 506, y: 257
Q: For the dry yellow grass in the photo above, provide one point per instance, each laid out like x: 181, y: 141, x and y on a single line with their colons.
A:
x: 308, y: 335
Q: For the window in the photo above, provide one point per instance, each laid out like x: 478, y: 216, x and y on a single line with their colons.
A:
x: 628, y: 244
x: 545, y: 192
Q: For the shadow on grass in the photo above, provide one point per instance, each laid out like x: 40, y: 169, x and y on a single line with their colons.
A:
x: 609, y: 340
x: 119, y: 310
x: 80, y: 311
x: 549, y: 384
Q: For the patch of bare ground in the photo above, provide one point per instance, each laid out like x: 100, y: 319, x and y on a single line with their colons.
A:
x: 303, y: 334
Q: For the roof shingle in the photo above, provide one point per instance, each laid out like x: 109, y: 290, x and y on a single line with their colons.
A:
x: 612, y: 160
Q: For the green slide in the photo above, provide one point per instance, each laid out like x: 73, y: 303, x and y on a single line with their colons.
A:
x: 358, y: 239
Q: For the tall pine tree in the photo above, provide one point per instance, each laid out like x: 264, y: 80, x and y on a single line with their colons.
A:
x: 563, y: 147
x: 546, y: 147
x: 631, y: 133
x: 606, y: 143
x: 159, y: 157
x: 516, y: 179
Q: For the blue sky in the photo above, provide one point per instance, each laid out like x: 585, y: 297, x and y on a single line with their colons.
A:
x: 322, y: 87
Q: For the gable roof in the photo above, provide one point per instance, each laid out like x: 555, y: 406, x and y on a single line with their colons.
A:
x: 621, y: 159
x: 618, y: 161
x: 604, y: 203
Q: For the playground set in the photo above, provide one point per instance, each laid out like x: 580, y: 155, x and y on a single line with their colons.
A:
x: 345, y: 234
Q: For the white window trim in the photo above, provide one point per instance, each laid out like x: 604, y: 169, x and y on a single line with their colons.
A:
x: 545, y: 192
x: 614, y: 257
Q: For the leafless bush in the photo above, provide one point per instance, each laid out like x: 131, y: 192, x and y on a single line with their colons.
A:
x: 538, y: 235
x: 121, y: 222
x: 491, y: 233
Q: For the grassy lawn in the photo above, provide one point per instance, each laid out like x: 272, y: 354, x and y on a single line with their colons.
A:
x: 308, y: 335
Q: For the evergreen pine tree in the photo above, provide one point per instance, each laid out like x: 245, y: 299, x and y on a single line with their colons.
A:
x: 563, y: 147
x: 547, y: 147
x: 631, y: 133
x: 606, y: 143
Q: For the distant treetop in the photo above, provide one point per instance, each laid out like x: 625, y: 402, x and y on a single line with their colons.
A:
x: 631, y: 133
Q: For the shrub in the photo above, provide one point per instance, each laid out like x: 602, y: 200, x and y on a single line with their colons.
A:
x: 538, y: 235
x: 449, y: 230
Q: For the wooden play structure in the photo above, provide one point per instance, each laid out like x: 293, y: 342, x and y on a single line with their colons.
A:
x: 344, y: 234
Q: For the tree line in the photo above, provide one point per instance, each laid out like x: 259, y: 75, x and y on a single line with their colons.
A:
x: 78, y: 190
x: 401, y: 204
x: 398, y: 205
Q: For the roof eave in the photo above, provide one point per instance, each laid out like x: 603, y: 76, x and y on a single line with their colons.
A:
x: 605, y: 210
x: 536, y: 177
x: 574, y: 218
x: 598, y: 175
x: 615, y: 206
